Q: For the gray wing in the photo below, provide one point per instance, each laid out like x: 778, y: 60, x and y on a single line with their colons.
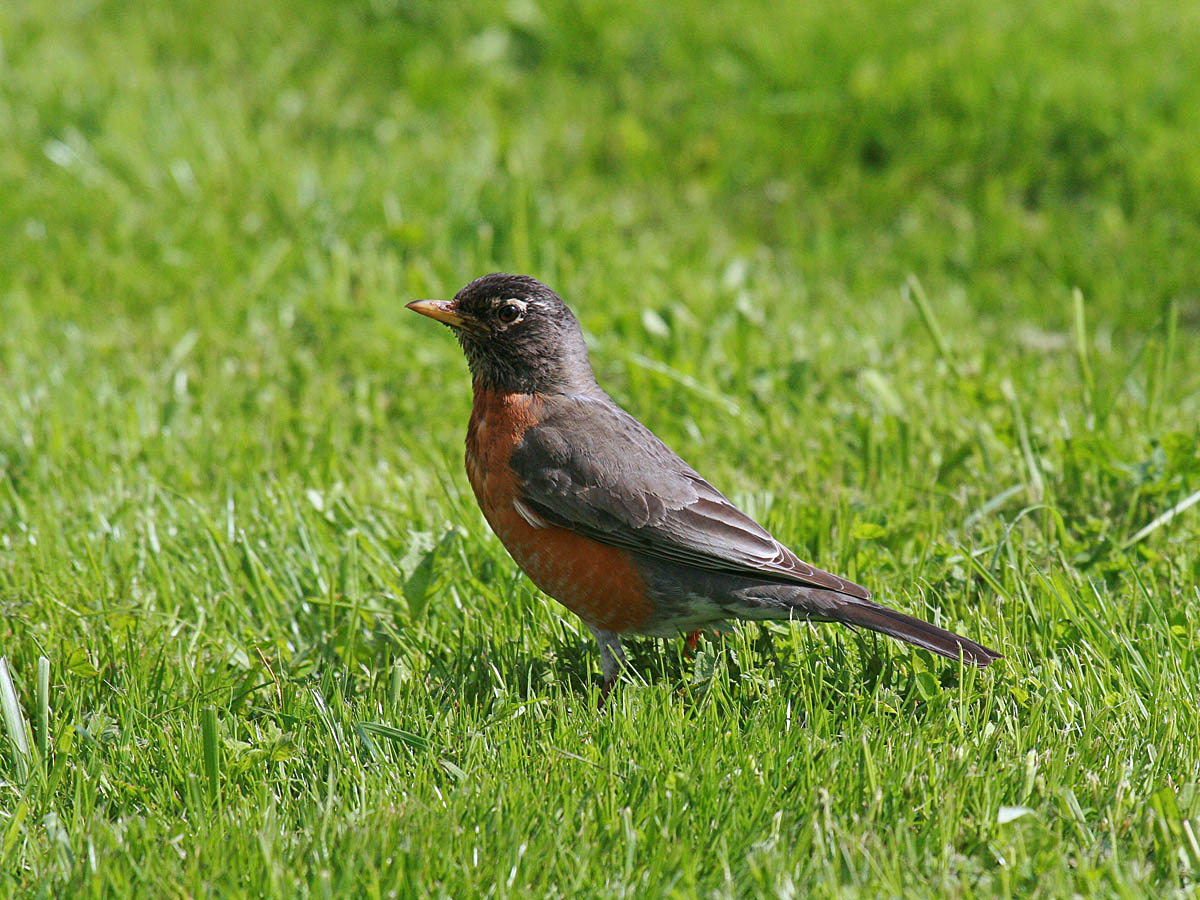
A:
x: 590, y: 467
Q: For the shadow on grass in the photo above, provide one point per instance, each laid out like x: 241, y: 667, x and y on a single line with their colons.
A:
x: 741, y: 669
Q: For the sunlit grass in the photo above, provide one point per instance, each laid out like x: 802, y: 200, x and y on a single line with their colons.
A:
x: 914, y: 284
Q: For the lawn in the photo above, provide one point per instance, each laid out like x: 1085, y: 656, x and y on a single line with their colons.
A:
x: 917, y: 284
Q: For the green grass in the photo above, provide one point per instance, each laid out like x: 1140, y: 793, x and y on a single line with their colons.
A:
x: 828, y: 251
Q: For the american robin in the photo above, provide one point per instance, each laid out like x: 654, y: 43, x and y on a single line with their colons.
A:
x: 602, y: 515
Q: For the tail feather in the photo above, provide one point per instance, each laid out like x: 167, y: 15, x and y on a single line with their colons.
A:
x: 916, y: 631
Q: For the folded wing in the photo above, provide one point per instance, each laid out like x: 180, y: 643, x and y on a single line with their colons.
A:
x: 592, y: 468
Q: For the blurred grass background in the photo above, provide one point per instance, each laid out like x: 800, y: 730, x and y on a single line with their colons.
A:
x: 230, y: 464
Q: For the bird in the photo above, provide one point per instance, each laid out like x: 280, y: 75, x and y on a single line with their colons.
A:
x: 603, y: 516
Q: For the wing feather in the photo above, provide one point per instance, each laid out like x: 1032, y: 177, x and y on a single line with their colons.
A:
x: 592, y: 468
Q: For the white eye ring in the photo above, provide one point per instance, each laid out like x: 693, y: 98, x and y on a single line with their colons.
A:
x: 510, y: 311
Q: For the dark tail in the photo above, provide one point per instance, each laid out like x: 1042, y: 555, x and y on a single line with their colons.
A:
x: 866, y: 614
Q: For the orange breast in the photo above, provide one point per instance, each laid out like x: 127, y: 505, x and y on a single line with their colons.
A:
x: 596, y: 582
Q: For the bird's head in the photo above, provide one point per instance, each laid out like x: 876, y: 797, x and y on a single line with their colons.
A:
x: 517, y: 334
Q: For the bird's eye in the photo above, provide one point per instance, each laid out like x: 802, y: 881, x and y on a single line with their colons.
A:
x: 509, y: 313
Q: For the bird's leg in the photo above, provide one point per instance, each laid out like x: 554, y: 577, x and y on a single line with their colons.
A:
x: 612, y: 658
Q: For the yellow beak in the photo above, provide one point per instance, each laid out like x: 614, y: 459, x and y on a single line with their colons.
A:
x: 442, y: 310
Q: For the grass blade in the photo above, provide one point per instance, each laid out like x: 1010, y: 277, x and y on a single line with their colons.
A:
x: 1037, y: 488
x: 1157, y: 395
x: 682, y: 378
x: 396, y: 735
x: 14, y: 829
x: 212, y: 751
x: 913, y: 291
x: 1081, y: 354
x: 43, y: 710
x: 14, y: 722
x: 1162, y: 520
